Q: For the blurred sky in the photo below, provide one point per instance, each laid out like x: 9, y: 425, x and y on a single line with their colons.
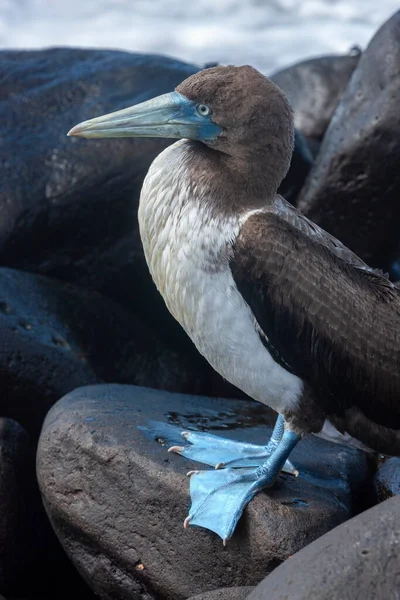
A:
x: 268, y: 34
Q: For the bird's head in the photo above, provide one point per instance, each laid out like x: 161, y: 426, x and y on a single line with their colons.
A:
x: 233, y: 110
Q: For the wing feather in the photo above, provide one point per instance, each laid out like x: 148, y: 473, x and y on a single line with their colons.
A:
x: 329, y: 317
x: 292, y: 215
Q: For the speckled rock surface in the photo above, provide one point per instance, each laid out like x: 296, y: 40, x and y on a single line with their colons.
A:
x: 353, y: 188
x: 359, y: 560
x: 117, y: 499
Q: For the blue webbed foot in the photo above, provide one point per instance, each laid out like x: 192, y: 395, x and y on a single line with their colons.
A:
x: 220, y: 496
x: 221, y: 452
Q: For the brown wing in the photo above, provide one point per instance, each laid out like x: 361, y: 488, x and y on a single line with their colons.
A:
x: 294, y: 217
x: 333, y: 322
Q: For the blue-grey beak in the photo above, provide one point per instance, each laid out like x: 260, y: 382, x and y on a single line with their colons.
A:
x: 169, y: 116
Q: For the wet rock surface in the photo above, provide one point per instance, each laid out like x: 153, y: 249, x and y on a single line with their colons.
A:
x: 314, y: 88
x: 353, y: 188
x: 359, y: 560
x: 57, y: 336
x: 387, y: 479
x: 237, y: 593
x: 117, y: 499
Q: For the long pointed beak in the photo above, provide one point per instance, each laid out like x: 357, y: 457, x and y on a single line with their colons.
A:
x: 170, y: 116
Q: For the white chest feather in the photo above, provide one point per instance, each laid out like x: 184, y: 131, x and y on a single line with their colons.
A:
x: 187, y: 249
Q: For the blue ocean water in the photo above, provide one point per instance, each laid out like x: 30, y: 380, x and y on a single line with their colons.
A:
x: 268, y: 34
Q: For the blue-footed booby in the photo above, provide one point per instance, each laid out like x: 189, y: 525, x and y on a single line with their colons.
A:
x: 278, y: 307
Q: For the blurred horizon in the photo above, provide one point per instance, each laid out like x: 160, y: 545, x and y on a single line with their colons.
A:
x: 268, y: 35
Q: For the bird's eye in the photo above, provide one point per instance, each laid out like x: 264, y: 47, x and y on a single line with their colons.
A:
x: 203, y: 110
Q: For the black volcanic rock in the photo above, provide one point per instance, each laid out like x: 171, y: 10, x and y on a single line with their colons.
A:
x: 314, y: 88
x: 117, y: 499
x: 56, y: 336
x: 68, y: 205
x: 353, y: 188
x: 359, y: 560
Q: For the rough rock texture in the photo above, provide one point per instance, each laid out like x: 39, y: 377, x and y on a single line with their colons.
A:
x: 237, y: 593
x: 353, y: 188
x: 117, y: 499
x: 387, y: 479
x: 314, y: 88
x: 359, y: 560
x: 56, y: 337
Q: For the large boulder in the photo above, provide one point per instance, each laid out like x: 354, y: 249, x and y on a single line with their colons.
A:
x: 117, y: 499
x: 69, y: 206
x: 353, y: 188
x: 57, y: 336
x: 314, y: 88
x: 359, y: 560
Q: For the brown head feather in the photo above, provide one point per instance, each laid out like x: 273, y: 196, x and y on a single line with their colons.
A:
x: 256, y: 145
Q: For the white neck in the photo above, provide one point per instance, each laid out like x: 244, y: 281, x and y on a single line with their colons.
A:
x: 187, y: 247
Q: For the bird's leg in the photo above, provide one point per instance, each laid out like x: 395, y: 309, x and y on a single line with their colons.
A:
x: 277, y: 433
x: 275, y: 438
x: 219, y: 497
x: 221, y: 452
